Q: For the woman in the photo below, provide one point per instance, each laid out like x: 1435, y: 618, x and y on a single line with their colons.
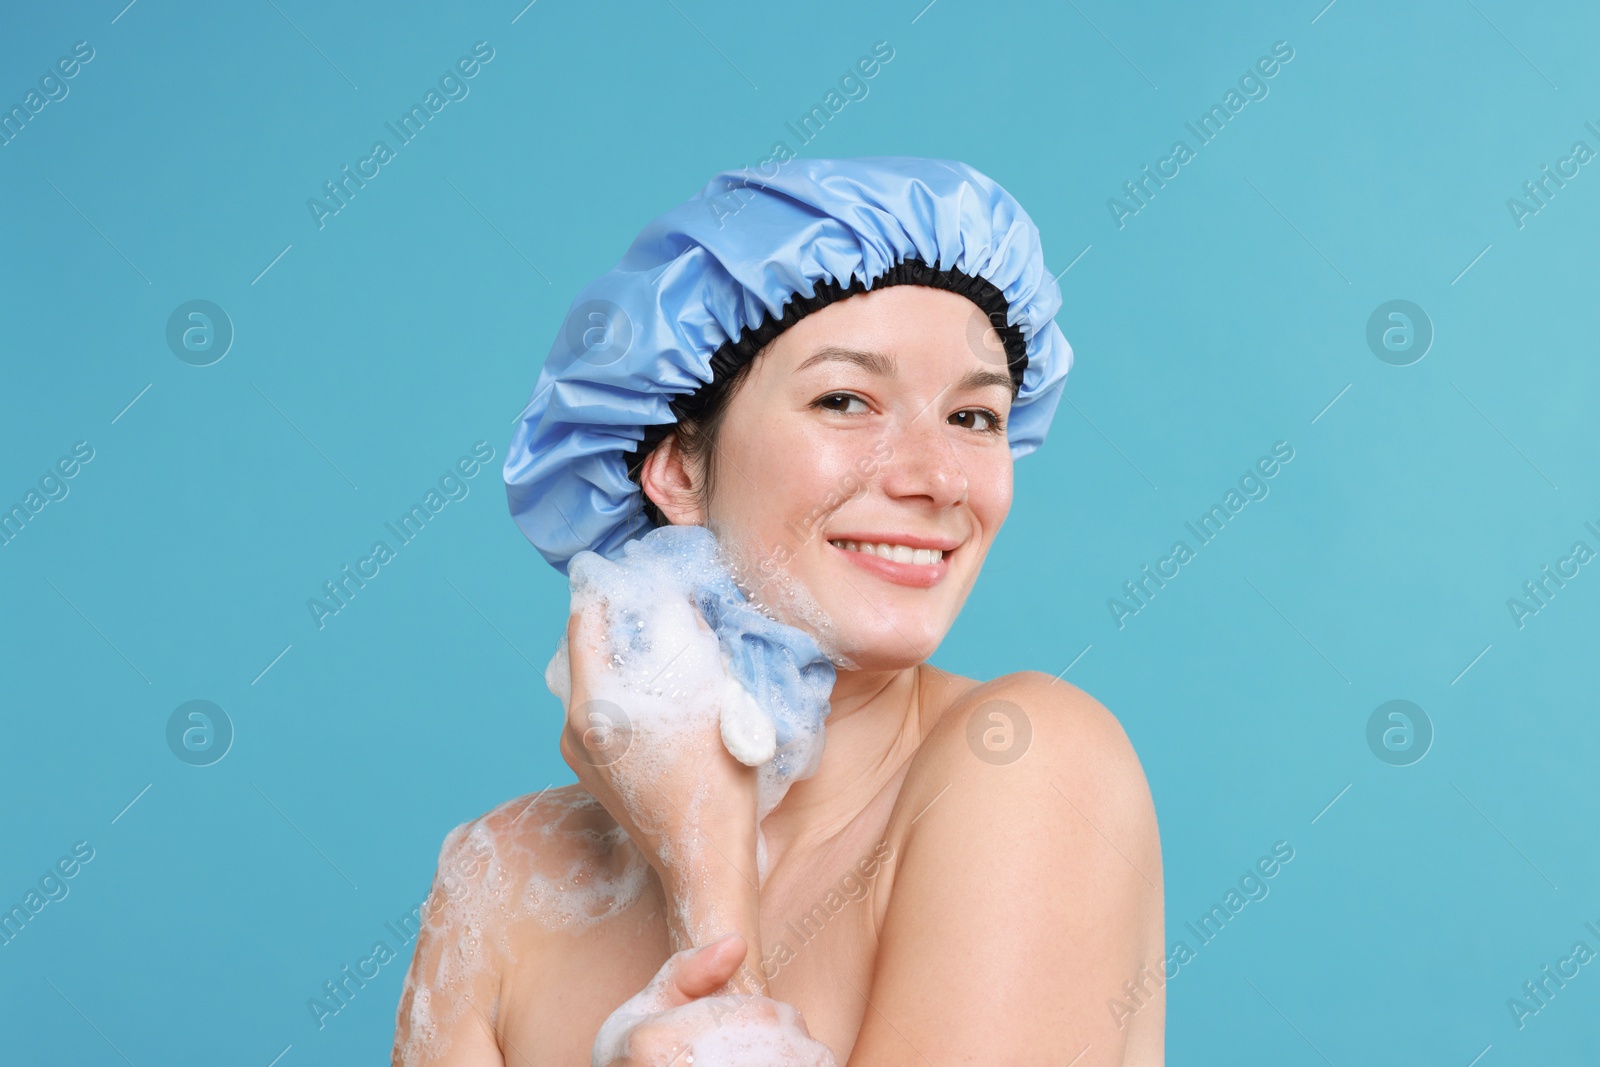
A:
x: 833, y: 370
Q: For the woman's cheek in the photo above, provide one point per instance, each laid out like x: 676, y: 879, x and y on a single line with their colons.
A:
x: 844, y: 467
x: 989, y: 489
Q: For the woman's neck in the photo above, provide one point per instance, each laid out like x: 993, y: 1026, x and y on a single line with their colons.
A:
x: 876, y: 722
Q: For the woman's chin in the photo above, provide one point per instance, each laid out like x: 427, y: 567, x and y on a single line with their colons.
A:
x: 877, y: 665
x: 882, y: 648
x: 886, y: 636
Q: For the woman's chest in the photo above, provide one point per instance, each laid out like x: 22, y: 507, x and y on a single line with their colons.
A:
x: 819, y: 943
x: 818, y: 948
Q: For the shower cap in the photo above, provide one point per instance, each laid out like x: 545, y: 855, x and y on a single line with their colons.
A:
x: 707, y: 284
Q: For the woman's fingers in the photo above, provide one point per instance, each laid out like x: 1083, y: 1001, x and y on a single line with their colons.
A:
x: 573, y: 622
x: 694, y: 609
x: 705, y: 970
x: 679, y: 1014
x: 754, y: 1031
x: 585, y: 639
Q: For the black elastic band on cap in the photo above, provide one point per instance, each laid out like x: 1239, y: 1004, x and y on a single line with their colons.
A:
x: 732, y: 355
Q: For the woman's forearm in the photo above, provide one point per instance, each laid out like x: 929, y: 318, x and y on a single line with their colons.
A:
x: 712, y: 890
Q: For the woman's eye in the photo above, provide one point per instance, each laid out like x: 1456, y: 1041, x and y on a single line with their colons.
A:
x: 980, y: 419
x: 840, y: 402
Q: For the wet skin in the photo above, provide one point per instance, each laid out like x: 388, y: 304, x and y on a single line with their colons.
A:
x: 1014, y: 895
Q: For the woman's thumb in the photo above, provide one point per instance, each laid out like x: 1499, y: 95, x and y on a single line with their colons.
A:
x: 704, y: 970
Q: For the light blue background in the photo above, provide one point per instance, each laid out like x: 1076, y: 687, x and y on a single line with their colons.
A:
x: 1226, y: 315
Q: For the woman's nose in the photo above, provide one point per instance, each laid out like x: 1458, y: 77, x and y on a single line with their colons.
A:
x: 925, y: 463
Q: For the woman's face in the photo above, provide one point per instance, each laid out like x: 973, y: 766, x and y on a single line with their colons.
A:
x: 878, y: 420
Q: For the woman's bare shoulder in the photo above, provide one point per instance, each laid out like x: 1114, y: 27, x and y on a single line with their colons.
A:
x: 510, y: 888
x: 1024, y: 801
x: 555, y: 858
x: 1059, y: 736
x: 1021, y: 705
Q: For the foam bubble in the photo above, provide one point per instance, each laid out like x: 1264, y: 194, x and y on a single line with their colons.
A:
x: 753, y: 1043
x: 682, y: 643
x: 732, y: 1030
x: 682, y: 639
x: 600, y: 880
x: 780, y: 596
x: 554, y: 859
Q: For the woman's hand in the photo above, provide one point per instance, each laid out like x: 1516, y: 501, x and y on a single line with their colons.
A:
x: 671, y: 787
x: 650, y: 750
x: 674, y: 1021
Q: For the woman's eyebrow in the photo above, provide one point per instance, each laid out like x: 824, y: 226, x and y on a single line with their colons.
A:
x: 871, y: 362
x: 981, y: 379
x: 884, y: 366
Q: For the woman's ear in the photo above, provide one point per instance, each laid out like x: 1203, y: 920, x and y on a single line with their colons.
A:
x: 668, y: 482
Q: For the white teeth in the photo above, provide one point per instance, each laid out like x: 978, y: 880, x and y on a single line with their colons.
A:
x: 898, y: 553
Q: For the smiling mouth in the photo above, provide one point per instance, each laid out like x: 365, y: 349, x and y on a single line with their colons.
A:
x: 892, y: 552
x: 899, y: 564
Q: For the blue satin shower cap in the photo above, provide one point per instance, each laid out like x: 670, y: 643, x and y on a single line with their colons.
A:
x: 708, y: 281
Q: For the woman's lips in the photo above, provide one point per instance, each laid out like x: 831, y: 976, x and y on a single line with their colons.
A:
x: 916, y: 575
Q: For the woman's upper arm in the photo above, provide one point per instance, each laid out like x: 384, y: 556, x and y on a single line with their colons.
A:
x: 1027, y: 891
x: 451, y: 994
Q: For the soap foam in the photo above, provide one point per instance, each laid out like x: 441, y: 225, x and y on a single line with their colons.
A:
x: 684, y: 640
x: 594, y: 885
x: 750, y: 1043
x: 780, y: 596
x: 553, y: 859
x: 733, y: 1030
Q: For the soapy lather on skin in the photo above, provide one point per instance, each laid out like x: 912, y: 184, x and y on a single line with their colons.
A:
x: 732, y: 1030
x: 682, y: 640
x: 776, y: 681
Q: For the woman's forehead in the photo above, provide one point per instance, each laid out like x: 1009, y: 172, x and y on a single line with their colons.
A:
x: 890, y: 331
